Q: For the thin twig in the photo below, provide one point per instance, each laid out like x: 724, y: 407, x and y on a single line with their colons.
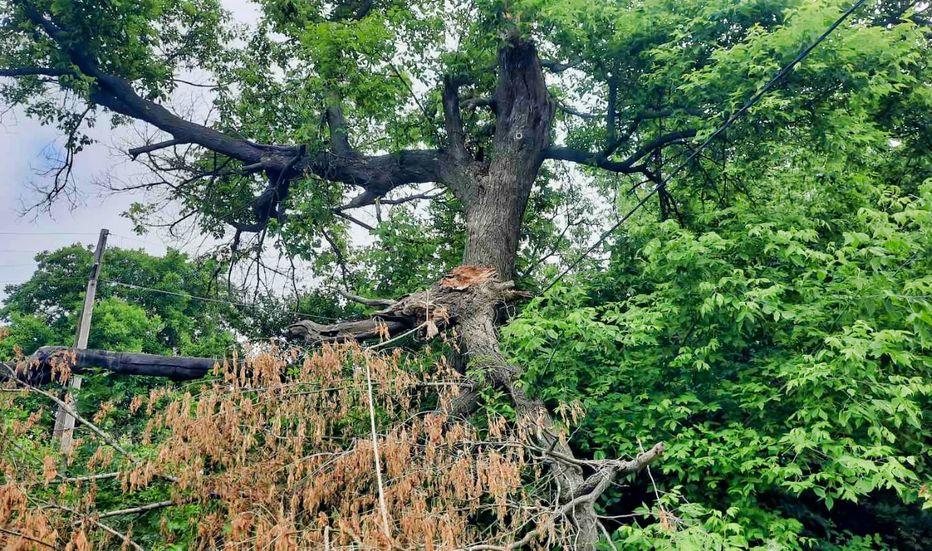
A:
x: 29, y: 538
x: 110, y: 441
x: 100, y: 525
x: 139, y: 509
x: 375, y: 452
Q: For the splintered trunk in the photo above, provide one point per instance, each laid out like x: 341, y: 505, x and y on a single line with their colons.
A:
x: 494, y: 214
x: 494, y: 193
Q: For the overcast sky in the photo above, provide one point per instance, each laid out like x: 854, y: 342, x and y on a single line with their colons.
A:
x: 24, y: 149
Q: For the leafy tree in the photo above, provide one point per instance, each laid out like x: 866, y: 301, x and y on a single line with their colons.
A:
x: 781, y: 345
x: 328, y: 107
x: 129, y: 316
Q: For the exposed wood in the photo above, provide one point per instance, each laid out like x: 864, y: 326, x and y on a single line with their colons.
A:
x: 470, y: 297
x: 439, y: 305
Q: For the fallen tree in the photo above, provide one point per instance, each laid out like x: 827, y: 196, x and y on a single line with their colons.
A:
x: 241, y: 386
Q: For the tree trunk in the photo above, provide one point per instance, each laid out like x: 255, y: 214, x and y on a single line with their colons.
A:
x: 496, y: 201
x: 479, y: 339
x: 494, y: 215
x: 495, y: 194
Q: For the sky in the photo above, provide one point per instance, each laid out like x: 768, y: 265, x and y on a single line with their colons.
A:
x: 24, y: 148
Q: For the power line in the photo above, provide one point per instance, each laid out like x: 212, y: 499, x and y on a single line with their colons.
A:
x: 44, y: 233
x: 75, y: 234
x: 214, y: 300
x: 139, y: 240
x: 750, y: 103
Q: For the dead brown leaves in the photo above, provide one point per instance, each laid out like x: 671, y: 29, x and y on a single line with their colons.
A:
x: 288, y: 463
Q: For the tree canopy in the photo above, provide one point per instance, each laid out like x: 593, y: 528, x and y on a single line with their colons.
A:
x: 765, y: 315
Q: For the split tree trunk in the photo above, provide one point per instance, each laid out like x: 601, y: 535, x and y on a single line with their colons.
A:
x: 495, y: 207
x: 494, y: 193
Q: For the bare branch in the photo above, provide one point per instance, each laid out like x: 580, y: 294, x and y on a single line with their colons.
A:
x: 593, y: 487
x: 354, y: 220
x: 589, y: 159
x: 473, y: 103
x: 408, y: 198
x: 627, y: 166
x: 557, y: 66
x: 102, y: 526
x: 27, y: 538
x: 134, y: 510
x: 610, y: 114
x: 137, y: 151
x: 570, y: 110
x: 70, y: 411
x: 659, y: 143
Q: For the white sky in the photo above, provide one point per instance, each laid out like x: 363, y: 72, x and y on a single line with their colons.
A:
x: 22, y: 145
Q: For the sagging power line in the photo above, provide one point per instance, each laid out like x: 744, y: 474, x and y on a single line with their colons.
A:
x: 214, y: 300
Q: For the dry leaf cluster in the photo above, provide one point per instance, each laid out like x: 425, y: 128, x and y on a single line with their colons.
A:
x: 276, y: 452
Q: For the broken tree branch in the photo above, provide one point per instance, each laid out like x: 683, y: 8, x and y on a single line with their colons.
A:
x: 38, y: 367
x: 374, y: 302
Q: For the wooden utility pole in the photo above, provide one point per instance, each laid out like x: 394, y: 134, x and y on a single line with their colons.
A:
x: 64, y: 421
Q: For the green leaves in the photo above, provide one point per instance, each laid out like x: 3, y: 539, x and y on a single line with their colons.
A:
x: 778, y: 346
x: 44, y: 309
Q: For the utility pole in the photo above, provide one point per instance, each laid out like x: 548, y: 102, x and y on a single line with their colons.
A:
x: 64, y: 422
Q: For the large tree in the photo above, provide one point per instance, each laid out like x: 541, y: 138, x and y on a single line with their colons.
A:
x: 327, y: 107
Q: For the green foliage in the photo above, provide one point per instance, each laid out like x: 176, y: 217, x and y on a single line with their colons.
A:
x: 44, y: 309
x: 781, y: 347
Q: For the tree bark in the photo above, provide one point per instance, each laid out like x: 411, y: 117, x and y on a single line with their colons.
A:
x: 494, y: 213
x: 41, y: 366
x: 496, y: 202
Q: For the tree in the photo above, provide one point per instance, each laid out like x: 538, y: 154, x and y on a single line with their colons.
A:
x: 664, y: 74
x: 129, y: 316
